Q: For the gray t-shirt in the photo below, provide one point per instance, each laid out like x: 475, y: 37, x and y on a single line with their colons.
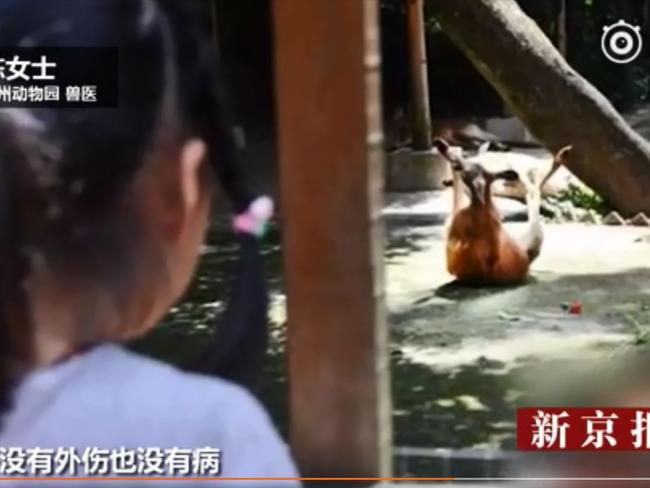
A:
x: 110, y: 400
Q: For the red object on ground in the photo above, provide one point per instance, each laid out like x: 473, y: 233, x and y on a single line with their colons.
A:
x: 575, y: 308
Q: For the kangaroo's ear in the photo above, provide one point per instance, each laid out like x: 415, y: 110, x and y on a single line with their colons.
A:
x: 562, y: 155
x: 508, y: 175
x: 441, y: 145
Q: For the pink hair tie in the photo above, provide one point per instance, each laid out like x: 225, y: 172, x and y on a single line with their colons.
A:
x: 255, y: 220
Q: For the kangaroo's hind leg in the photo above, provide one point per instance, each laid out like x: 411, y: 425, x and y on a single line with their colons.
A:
x: 533, y: 239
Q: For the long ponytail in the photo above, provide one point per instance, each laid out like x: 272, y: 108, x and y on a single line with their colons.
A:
x: 242, y: 333
x: 240, y: 338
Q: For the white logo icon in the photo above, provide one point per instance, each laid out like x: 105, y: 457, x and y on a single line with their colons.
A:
x: 621, y: 42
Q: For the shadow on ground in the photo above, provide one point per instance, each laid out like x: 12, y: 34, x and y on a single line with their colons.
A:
x: 460, y: 353
x: 187, y: 329
x: 459, y: 292
x: 469, y: 404
x: 402, y: 241
x: 451, y: 313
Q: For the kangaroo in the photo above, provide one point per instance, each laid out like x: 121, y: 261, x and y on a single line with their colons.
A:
x: 479, y: 250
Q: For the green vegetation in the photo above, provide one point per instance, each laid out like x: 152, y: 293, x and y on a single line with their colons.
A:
x: 584, y: 198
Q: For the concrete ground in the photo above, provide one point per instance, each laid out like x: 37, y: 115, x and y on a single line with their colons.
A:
x: 465, y: 359
x: 606, y: 268
x: 459, y: 354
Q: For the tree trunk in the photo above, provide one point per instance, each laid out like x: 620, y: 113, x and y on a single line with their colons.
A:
x: 214, y: 22
x: 419, y: 75
x: 556, y: 103
x: 560, y: 29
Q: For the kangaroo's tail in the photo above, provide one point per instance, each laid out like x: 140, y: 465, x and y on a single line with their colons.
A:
x: 559, y: 159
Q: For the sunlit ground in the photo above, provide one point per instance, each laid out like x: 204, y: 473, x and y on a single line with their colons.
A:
x: 462, y: 359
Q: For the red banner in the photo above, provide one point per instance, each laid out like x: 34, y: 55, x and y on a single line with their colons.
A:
x: 583, y: 429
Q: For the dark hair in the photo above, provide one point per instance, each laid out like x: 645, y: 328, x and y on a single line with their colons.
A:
x: 78, y: 161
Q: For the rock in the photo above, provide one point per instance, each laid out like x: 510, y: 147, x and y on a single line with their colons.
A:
x: 589, y: 217
x: 564, y: 211
x: 570, y: 213
x: 613, y: 218
x: 509, y: 317
x: 408, y: 171
x: 639, y: 220
x: 584, y: 218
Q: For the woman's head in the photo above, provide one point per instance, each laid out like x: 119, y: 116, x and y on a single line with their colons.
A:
x: 102, y: 210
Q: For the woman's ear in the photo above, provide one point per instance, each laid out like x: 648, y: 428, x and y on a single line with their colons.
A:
x: 192, y: 157
x: 172, y: 189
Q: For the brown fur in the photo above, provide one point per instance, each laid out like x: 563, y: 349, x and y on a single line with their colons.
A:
x: 479, y: 250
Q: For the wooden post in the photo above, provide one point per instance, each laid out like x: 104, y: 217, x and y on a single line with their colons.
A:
x: 331, y: 164
x: 419, y: 75
x: 214, y: 23
x: 561, y: 29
